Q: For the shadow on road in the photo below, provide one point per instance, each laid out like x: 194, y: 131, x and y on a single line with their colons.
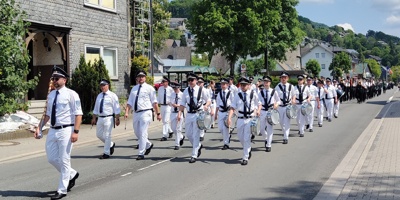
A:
x: 17, y: 193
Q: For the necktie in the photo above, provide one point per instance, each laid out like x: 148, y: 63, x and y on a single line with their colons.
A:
x: 319, y: 93
x: 102, y: 103
x: 191, y: 106
x: 326, y: 95
x: 176, y: 102
x: 53, y: 110
x: 266, y: 99
x: 301, y: 94
x: 284, y: 94
x: 244, y: 104
x: 165, y: 96
x: 223, y: 97
x: 137, y: 96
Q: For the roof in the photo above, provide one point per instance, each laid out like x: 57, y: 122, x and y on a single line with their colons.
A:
x: 177, y: 62
x: 194, y: 69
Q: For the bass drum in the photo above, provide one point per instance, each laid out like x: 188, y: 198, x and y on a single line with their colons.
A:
x: 306, y: 109
x: 291, y: 111
x: 272, y: 117
x: 255, y: 126
x: 204, y: 120
x: 233, y: 121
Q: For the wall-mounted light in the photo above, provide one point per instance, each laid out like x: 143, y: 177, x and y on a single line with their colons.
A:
x: 46, y: 44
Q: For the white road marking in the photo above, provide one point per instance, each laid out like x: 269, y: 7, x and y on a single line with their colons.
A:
x: 126, y: 174
x: 155, y: 164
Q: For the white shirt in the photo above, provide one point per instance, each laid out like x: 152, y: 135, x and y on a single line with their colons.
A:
x: 161, y: 91
x: 252, y: 105
x: 68, y: 105
x: 229, y: 100
x: 233, y: 88
x: 204, y: 98
x: 289, y: 95
x: 304, y: 91
x: 271, y: 99
x: 320, y: 93
x: 146, y: 98
x: 110, y: 104
x: 331, y: 92
x: 175, y: 100
x: 313, y: 91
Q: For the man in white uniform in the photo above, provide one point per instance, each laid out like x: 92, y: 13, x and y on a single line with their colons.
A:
x: 194, y: 99
x: 246, y: 103
x: 302, y: 94
x: 175, y: 124
x: 142, y: 100
x: 313, y: 101
x: 287, y: 96
x: 106, y: 109
x: 164, y: 94
x: 200, y: 83
x: 321, y: 106
x: 224, y: 100
x: 269, y: 100
x: 337, y: 104
x: 232, y: 86
x: 330, y: 98
x: 65, y: 113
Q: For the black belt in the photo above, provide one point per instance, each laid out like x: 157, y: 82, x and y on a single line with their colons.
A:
x: 106, y: 116
x: 192, y: 112
x: 245, y: 117
x: 175, y: 112
x: 164, y: 104
x: 143, y: 110
x: 62, y: 126
x: 284, y: 105
x: 328, y: 98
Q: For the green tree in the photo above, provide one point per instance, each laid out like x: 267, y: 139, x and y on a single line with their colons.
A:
x: 140, y: 63
x: 341, y: 63
x: 14, y: 58
x: 375, y: 67
x: 200, y: 60
x: 313, y: 67
x: 183, y: 41
x: 181, y: 8
x: 160, y: 24
x: 174, y: 34
x: 396, y: 73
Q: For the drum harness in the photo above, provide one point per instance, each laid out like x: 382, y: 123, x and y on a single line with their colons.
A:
x: 267, y: 103
x: 323, y: 100
x: 286, y: 100
x: 301, y: 91
x: 192, y: 107
x: 225, y: 107
x: 245, y: 107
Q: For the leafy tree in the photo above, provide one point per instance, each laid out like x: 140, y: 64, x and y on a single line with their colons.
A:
x: 396, y: 73
x: 160, y: 24
x: 14, y: 58
x: 341, y: 63
x: 180, y: 8
x: 200, y: 60
x: 313, y: 67
x: 174, y: 34
x: 183, y: 41
x: 255, y: 66
x: 140, y: 63
x: 375, y: 67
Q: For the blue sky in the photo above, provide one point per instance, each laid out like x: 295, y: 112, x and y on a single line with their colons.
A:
x: 358, y: 15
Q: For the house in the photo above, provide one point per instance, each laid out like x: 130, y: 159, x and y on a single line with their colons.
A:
x: 174, y: 55
x: 320, y: 52
x: 63, y: 30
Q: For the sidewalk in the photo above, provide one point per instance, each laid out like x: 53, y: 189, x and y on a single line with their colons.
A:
x: 24, y: 148
x: 371, y: 169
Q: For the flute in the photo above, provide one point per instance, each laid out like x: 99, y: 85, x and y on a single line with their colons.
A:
x: 41, y: 125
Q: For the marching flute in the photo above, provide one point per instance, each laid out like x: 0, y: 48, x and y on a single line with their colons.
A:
x: 41, y: 123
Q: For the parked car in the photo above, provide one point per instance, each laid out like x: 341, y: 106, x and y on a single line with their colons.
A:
x: 157, y: 85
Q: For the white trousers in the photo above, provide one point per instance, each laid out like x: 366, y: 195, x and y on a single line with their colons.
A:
x: 336, y: 108
x: 103, y: 132
x: 222, y: 128
x: 320, y: 113
x: 244, y: 135
x: 58, y: 150
x: 141, y: 122
x: 165, y: 115
x: 192, y: 132
x: 266, y: 129
x: 310, y: 117
x: 284, y: 121
x: 329, y: 106
x: 177, y: 127
x: 301, y: 120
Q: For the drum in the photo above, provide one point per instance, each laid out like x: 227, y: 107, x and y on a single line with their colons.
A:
x: 273, y: 117
x: 339, y: 93
x: 255, y: 126
x: 203, y: 120
x: 306, y: 109
x: 233, y: 121
x: 291, y: 111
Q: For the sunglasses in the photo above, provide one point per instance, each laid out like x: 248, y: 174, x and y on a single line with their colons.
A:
x: 55, y: 78
x: 191, y: 79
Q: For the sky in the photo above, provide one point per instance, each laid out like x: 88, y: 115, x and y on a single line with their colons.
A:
x: 357, y: 15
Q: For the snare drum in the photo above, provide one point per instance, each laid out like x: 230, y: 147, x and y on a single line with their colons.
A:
x: 291, y: 111
x: 306, y: 109
x: 203, y: 120
x: 255, y: 126
x: 233, y: 121
x: 273, y: 117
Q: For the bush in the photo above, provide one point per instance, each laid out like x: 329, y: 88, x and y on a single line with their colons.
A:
x: 140, y: 63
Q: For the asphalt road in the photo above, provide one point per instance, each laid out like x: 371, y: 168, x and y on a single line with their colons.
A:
x: 293, y: 171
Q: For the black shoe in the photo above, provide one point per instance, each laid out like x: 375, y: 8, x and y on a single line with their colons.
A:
x: 139, y: 157
x: 201, y: 139
x: 298, y: 133
x: 170, y: 134
x: 192, y: 160
x: 301, y: 135
x: 104, y: 156
x: 199, y: 151
x: 259, y: 134
x: 212, y: 126
x: 176, y: 148
x: 137, y: 146
x: 268, y: 149
x: 329, y: 120
x: 148, y: 150
x: 250, y: 154
x: 320, y: 125
x: 252, y: 136
x: 285, y: 141
x: 307, y: 126
x: 225, y: 147
x: 244, y: 162
x: 59, y: 196
x: 311, y: 130
x: 71, y: 183
x: 335, y: 116
x: 181, y: 141
x: 112, y: 149
x: 163, y: 139
x: 265, y: 144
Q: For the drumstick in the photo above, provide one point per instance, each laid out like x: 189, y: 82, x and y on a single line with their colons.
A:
x: 125, y: 123
x: 40, y: 135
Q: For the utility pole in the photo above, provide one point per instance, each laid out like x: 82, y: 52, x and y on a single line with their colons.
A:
x: 151, y: 39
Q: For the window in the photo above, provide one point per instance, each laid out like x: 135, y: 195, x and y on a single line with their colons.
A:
x: 322, y: 66
x: 316, y: 55
x: 323, y: 55
x: 109, y: 56
x: 102, y: 4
